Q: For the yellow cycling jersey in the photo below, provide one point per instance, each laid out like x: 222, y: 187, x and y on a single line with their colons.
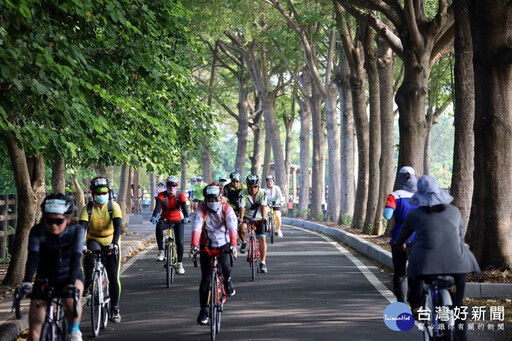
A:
x: 101, y: 227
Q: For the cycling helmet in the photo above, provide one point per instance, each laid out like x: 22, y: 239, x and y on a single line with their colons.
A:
x: 270, y: 177
x: 212, y: 190
x: 193, y: 179
x: 235, y: 176
x: 99, y: 185
x: 57, y: 203
x: 252, y: 180
x: 172, y: 179
x: 223, y: 177
x: 199, y: 178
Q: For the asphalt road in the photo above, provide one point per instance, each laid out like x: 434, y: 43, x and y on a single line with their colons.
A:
x: 314, y: 290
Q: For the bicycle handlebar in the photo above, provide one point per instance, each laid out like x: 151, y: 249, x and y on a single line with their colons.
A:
x: 231, y: 257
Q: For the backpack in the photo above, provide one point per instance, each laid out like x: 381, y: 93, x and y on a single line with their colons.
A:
x: 110, y: 208
x: 177, y: 205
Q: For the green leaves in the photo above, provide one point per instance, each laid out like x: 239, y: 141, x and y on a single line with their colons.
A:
x: 99, y: 81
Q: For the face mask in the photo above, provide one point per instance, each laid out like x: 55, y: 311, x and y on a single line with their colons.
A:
x: 101, y: 199
x: 214, y: 206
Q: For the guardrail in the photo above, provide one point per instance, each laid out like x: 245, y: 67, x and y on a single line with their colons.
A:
x: 8, y: 219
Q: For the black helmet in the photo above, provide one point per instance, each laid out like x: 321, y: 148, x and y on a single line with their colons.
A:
x: 212, y: 190
x: 252, y: 180
x: 235, y: 176
x: 57, y: 203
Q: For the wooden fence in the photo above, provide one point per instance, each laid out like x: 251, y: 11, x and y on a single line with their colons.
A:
x: 8, y: 219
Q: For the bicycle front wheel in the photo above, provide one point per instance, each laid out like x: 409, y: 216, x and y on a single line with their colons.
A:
x: 173, y: 260
x: 46, y: 332
x: 218, y: 302
x: 254, y: 260
x: 105, y: 311
x: 213, y: 307
x: 167, y: 265
x: 95, y: 304
x: 272, y: 229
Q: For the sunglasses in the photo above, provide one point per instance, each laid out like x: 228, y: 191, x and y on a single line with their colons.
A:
x: 54, y: 221
x: 253, y: 186
x: 172, y: 185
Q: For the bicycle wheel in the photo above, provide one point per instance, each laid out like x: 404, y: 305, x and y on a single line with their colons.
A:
x: 61, y: 326
x: 213, y: 308
x: 272, y: 228
x: 167, y: 265
x: 105, y: 311
x: 46, y: 332
x: 449, y: 325
x: 218, y: 302
x: 95, y: 304
x: 173, y: 260
x: 254, y: 260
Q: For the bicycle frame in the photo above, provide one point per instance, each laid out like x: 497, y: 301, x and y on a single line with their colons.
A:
x: 271, y: 224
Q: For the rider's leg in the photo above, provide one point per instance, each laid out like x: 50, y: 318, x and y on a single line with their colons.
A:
x: 113, y: 265
x: 159, y: 233
x: 243, y: 231
x: 36, y: 317
x: 179, y: 233
x: 262, y: 241
x: 68, y: 304
x: 277, y: 217
x: 92, y: 245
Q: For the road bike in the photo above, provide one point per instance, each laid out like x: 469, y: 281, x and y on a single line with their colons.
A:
x: 271, y: 224
x: 253, y: 253
x: 55, y: 325
x: 217, y: 295
x: 170, y: 255
x: 438, y: 316
x: 100, y: 297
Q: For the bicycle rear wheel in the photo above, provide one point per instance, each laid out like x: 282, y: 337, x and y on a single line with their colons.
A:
x: 213, y: 307
x: 167, y: 265
x: 95, y: 304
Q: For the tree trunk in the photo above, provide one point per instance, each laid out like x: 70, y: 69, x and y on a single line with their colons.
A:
x: 30, y: 190
x: 427, y: 159
x: 207, y: 163
x: 243, y: 123
x: 491, y: 217
x: 59, y: 176
x: 258, y: 140
x: 347, y: 133
x: 79, y: 193
x: 267, y: 158
x: 317, y: 183
x: 152, y: 186
x: 333, y: 152
x: 305, y: 133
x: 464, y: 144
x: 124, y: 189
x: 101, y: 170
x: 136, y: 193
x: 387, y: 154
x: 375, y: 140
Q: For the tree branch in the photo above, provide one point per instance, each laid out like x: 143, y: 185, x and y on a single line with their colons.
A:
x: 410, y: 15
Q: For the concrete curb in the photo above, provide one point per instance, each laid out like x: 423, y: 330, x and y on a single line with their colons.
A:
x: 473, y: 290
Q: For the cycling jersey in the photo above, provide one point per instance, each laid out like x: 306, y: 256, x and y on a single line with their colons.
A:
x: 274, y: 194
x: 55, y: 257
x: 101, y: 225
x: 398, y: 201
x: 171, y: 212
x: 252, y: 205
x: 197, y: 189
x: 220, y: 226
x: 232, y: 194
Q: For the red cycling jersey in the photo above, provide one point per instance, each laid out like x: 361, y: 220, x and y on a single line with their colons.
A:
x: 171, y: 212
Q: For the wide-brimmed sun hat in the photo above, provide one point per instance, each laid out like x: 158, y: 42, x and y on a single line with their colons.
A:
x: 429, y: 193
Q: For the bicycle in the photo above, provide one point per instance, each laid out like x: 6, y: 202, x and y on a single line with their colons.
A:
x: 271, y: 222
x: 170, y: 255
x: 217, y: 295
x: 55, y: 325
x: 253, y: 253
x: 437, y: 299
x: 100, y: 298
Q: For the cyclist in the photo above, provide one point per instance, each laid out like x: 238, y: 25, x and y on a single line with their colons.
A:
x: 159, y: 188
x: 190, y: 192
x: 398, y: 204
x: 223, y: 180
x: 438, y: 247
x: 253, y: 207
x: 171, y: 212
x: 197, y: 190
x: 214, y: 228
x: 274, y: 200
x: 55, y: 252
x: 232, y: 191
x: 102, y: 219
